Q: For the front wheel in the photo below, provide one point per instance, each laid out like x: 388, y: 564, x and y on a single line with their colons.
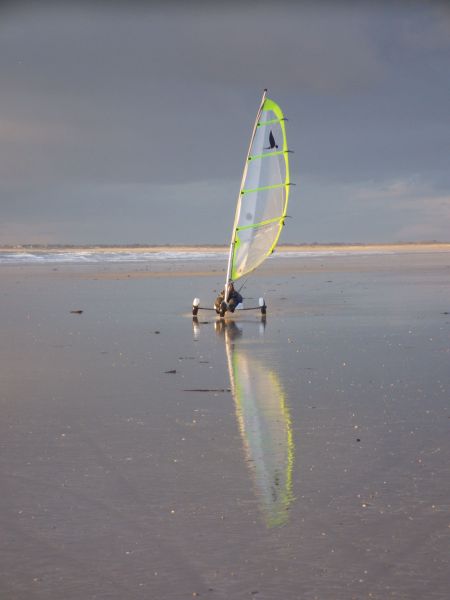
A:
x: 223, y: 309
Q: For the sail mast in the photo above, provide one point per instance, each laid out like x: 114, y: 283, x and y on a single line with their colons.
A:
x: 236, y: 216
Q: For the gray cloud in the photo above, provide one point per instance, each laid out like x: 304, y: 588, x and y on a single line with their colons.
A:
x: 123, y: 118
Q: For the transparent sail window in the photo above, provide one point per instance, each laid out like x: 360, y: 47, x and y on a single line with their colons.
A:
x: 261, y: 206
x: 254, y: 245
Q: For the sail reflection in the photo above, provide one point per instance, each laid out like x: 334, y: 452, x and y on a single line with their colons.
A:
x: 264, y: 423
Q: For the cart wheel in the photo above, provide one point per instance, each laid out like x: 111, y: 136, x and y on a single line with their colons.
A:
x: 262, y: 306
x: 195, y: 306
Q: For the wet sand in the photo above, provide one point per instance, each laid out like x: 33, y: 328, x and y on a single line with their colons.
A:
x: 307, y: 457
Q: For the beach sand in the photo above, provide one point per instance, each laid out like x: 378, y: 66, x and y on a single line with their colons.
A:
x: 144, y: 455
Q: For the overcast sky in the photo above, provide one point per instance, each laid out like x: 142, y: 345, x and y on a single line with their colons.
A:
x: 129, y: 122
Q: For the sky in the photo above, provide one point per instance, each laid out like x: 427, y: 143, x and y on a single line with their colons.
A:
x: 129, y: 122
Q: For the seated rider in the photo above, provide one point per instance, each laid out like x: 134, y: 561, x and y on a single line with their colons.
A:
x: 234, y: 298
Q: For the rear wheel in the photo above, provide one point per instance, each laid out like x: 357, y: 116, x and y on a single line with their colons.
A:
x: 262, y: 306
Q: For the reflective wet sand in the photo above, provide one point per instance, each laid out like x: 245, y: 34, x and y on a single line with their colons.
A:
x: 307, y: 457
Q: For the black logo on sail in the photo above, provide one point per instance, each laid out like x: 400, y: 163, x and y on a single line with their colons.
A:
x: 271, y: 142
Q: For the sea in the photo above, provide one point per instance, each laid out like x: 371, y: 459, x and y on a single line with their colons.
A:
x: 95, y: 255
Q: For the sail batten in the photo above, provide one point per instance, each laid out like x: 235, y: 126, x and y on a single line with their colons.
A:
x: 261, y: 123
x: 264, y: 187
x: 267, y: 154
x: 262, y: 224
x: 263, y: 195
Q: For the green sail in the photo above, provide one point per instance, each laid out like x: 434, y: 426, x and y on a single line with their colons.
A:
x: 264, y: 193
